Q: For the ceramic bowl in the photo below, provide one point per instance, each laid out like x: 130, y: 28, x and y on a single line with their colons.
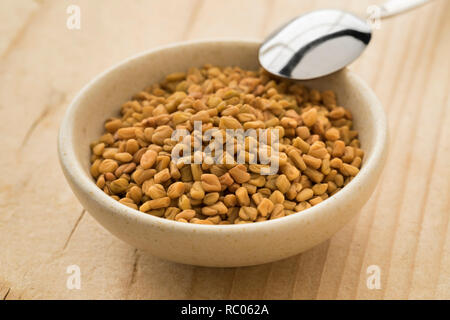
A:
x: 207, y: 245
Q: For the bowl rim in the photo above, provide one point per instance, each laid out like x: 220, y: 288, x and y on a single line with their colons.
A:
x: 74, y: 171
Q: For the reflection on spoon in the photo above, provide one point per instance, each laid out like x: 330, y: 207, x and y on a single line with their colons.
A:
x: 315, y: 44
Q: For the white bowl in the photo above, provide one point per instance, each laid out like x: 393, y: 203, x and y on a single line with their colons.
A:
x: 206, y: 245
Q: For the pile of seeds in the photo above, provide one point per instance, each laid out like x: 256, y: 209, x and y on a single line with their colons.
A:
x: 319, y: 153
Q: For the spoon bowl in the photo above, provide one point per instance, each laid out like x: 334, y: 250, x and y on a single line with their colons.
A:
x: 315, y: 44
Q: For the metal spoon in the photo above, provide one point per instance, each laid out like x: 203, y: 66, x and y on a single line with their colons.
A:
x: 323, y: 41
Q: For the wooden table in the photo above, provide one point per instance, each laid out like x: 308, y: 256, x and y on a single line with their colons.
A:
x: 403, y: 229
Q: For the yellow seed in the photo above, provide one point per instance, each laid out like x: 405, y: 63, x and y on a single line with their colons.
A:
x: 305, y: 194
x: 108, y: 165
x: 210, y: 183
x: 265, y: 207
x: 162, y: 176
x: 197, y: 192
x: 227, y: 122
x: 310, y: 117
x: 148, y: 159
x: 118, y: 186
x: 242, y: 196
x: 175, y: 190
x: 276, y: 197
x: 123, y: 157
x: 156, y: 191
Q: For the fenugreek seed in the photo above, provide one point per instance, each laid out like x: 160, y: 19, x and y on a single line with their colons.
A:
x: 135, y: 194
x: 312, y: 162
x: 196, y: 172
x: 302, y: 206
x: 314, y: 175
x: 185, y: 214
x: 320, y: 188
x: 211, y: 198
x: 95, y: 168
x: 214, y: 219
x: 276, y: 197
x: 184, y: 203
x: 289, y: 205
x: 296, y: 158
x: 339, y: 180
x: 171, y: 212
x: 161, y: 133
x: 349, y: 170
x: 217, y: 208
x: 155, y: 204
x: 283, y: 183
x: 186, y: 174
x: 148, y: 134
x: 265, y: 207
x: 141, y: 175
x: 240, y: 174
x: 162, y: 176
x: 356, y: 162
x: 336, y: 163
x: 230, y: 200
x: 338, y: 148
x: 175, y: 190
x: 148, y: 159
x: 290, y: 171
x: 242, y: 196
x: 258, y: 181
x: 202, y: 116
x: 293, y: 190
x: 126, y: 133
x: 156, y: 191
x: 325, y: 168
x: 138, y: 155
x: 98, y: 149
x: 332, y: 134
x: 123, y: 157
x: 349, y: 154
x: 301, y: 144
x: 315, y: 201
x: 337, y: 113
x: 113, y: 125
x: 210, y: 183
x: 176, y: 76
x: 226, y: 179
x: 310, y: 117
x: 101, y: 182
x: 110, y: 176
x: 248, y: 213
x: 108, y: 165
x: 118, y: 186
x: 131, y: 146
x: 305, y: 194
x: 277, y: 212
x: 227, y: 122
x: 318, y: 151
x: 197, y: 192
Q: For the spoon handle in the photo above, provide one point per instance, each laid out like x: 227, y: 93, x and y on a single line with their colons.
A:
x: 393, y: 7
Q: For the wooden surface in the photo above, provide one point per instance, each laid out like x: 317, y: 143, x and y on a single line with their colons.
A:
x: 403, y: 229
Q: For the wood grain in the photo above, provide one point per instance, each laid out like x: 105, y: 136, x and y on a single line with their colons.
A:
x: 404, y: 228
